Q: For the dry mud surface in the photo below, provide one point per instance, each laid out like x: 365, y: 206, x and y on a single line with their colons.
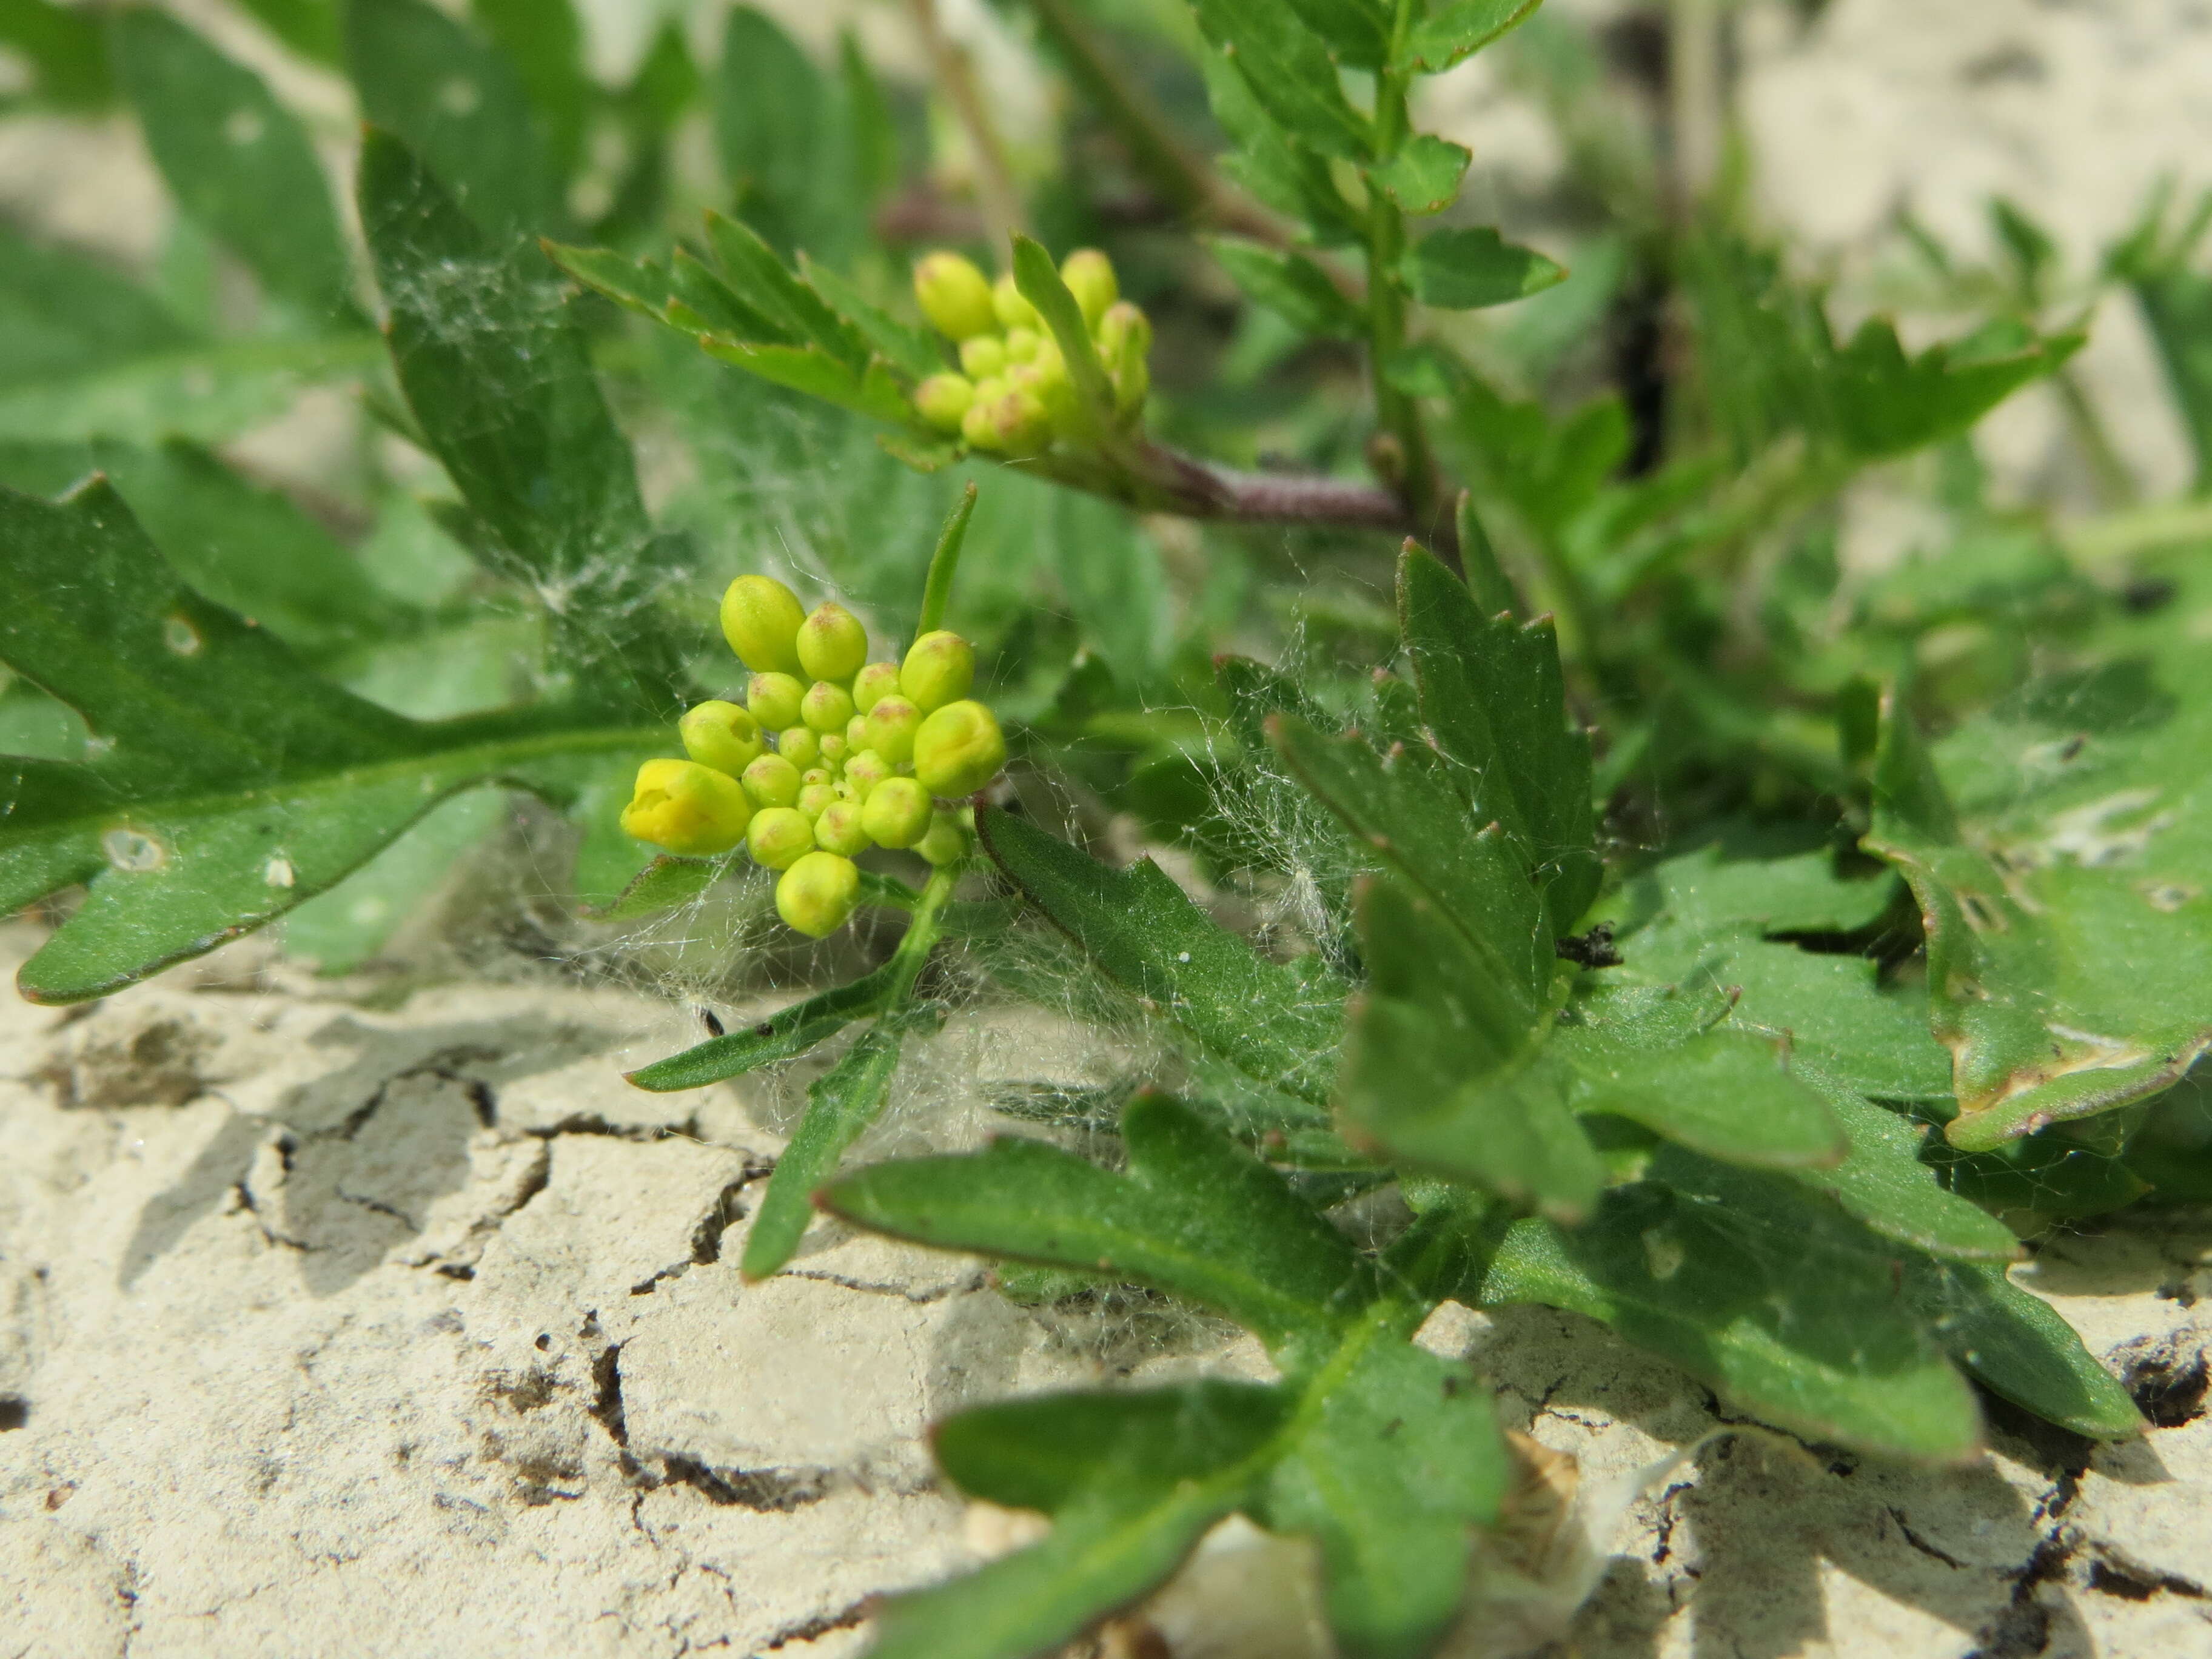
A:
x: 339, y: 1329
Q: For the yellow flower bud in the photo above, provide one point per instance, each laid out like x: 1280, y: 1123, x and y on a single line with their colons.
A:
x: 1014, y: 423
x: 817, y: 893
x: 1088, y: 275
x: 1013, y: 311
x: 942, y: 400
x: 1125, y: 345
x: 826, y: 707
x: 772, y: 780
x: 1022, y: 345
x: 839, y: 829
x: 1046, y: 379
x: 687, y: 808
x: 891, y: 725
x: 983, y: 357
x: 759, y: 619
x: 834, y: 749
x: 864, y: 771
x: 946, y: 839
x: 774, y: 698
x: 815, y: 775
x: 856, y: 731
x: 722, y: 735
x: 939, y: 668
x: 800, y: 746
x: 958, y: 750
x: 877, y: 679
x: 955, y: 296
x: 779, y: 836
x: 815, y: 797
x: 832, y: 644
x: 897, y: 812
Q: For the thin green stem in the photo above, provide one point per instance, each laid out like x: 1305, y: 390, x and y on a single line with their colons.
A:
x: 945, y: 563
x: 921, y: 936
x: 1397, y: 415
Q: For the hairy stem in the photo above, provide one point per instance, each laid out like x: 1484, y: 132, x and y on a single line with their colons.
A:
x: 996, y: 197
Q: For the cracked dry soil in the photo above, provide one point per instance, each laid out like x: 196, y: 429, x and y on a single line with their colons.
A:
x: 332, y: 1329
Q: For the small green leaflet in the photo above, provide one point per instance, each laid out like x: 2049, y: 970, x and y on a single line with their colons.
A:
x: 841, y: 1105
x: 787, y: 1032
x: 1265, y: 1020
x: 1466, y: 270
x: 229, y: 150
x: 1887, y: 404
x: 2017, y: 1346
x: 1454, y: 29
x: 1291, y: 285
x: 1288, y: 71
x: 1424, y: 176
x: 2062, y: 882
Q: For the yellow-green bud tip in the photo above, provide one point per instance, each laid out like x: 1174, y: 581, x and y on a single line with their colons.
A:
x: 940, y: 667
x: 958, y: 750
x: 1090, y: 277
x: 983, y: 357
x: 890, y: 727
x: 954, y: 295
x: 832, y: 644
x: 759, y: 619
x: 687, y: 808
x: 897, y: 812
x: 876, y: 681
x: 774, y: 698
x: 772, y: 780
x: 947, y: 839
x: 817, y: 893
x: 1014, y: 423
x: 779, y: 836
x: 722, y: 735
x: 826, y: 707
x: 840, y: 828
x: 800, y: 746
x: 942, y: 400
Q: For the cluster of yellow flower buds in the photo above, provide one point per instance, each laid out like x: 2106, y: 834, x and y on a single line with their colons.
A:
x: 830, y: 754
x: 1013, y: 396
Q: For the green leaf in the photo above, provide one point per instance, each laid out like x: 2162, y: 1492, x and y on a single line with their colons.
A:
x: 248, y: 549
x: 1268, y: 1021
x: 1036, y: 1599
x: 785, y: 1034
x: 501, y: 383
x: 2075, y: 855
x: 1196, y: 1215
x: 204, y: 392
x: 308, y: 26
x: 63, y: 315
x: 1885, y: 1185
x: 340, y: 930
x: 1454, y: 29
x: 1887, y: 404
x: 1287, y: 69
x: 637, y: 285
x: 841, y: 1103
x: 1465, y: 269
x: 1405, y: 808
x: 872, y: 391
x: 1355, y: 32
x: 65, y: 48
x: 1055, y: 1452
x: 664, y: 884
x: 1712, y: 894
x: 762, y: 282
x: 1291, y: 285
x: 194, y: 825
x: 1729, y: 1095
x: 1424, y: 176
x: 544, y: 42
x: 1493, y: 694
x: 459, y: 103
x: 1758, y: 1289
x: 1398, y: 1462
x: 913, y: 351
x: 1289, y: 177
x: 230, y: 151
x: 2018, y: 1348
x: 1441, y: 1069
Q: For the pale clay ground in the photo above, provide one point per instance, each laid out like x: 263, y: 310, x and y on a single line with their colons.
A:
x: 335, y: 1330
